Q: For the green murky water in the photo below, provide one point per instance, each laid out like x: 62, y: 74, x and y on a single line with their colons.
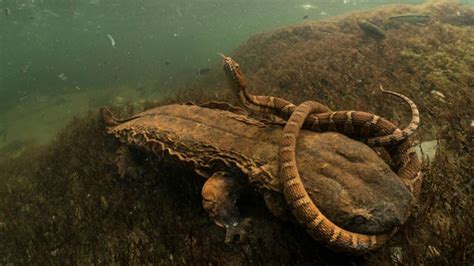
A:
x: 65, y: 202
x: 60, y: 58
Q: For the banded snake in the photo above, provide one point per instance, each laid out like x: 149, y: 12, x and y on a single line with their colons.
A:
x: 374, y: 131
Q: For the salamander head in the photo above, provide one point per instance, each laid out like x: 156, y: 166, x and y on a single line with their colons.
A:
x: 351, y: 185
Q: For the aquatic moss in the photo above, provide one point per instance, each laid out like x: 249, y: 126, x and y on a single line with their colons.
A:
x: 65, y: 202
x: 335, y: 63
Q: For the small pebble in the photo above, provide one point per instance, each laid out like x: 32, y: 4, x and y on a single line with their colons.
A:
x: 429, y: 149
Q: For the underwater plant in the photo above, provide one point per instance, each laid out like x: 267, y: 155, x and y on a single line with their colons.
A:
x: 65, y: 202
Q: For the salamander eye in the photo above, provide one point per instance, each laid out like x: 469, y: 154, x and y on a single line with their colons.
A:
x: 359, y: 219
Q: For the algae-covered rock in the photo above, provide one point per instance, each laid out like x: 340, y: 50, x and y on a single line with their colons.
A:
x: 66, y: 203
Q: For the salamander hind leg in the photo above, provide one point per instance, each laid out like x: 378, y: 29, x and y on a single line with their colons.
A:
x: 220, y: 194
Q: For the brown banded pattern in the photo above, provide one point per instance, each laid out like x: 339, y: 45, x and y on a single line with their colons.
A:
x: 305, y: 211
x: 372, y: 129
x: 367, y: 127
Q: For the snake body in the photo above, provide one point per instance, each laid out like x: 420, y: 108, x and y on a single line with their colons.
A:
x: 305, y: 211
x: 374, y: 130
x: 377, y: 130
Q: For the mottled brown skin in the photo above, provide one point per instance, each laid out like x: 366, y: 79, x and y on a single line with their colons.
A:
x: 352, y: 185
x: 369, y: 128
x: 304, y: 209
x: 379, y: 132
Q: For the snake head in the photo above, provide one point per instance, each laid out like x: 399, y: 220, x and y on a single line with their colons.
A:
x: 233, y: 72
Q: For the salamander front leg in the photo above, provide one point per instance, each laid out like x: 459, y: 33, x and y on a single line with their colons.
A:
x: 220, y: 194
